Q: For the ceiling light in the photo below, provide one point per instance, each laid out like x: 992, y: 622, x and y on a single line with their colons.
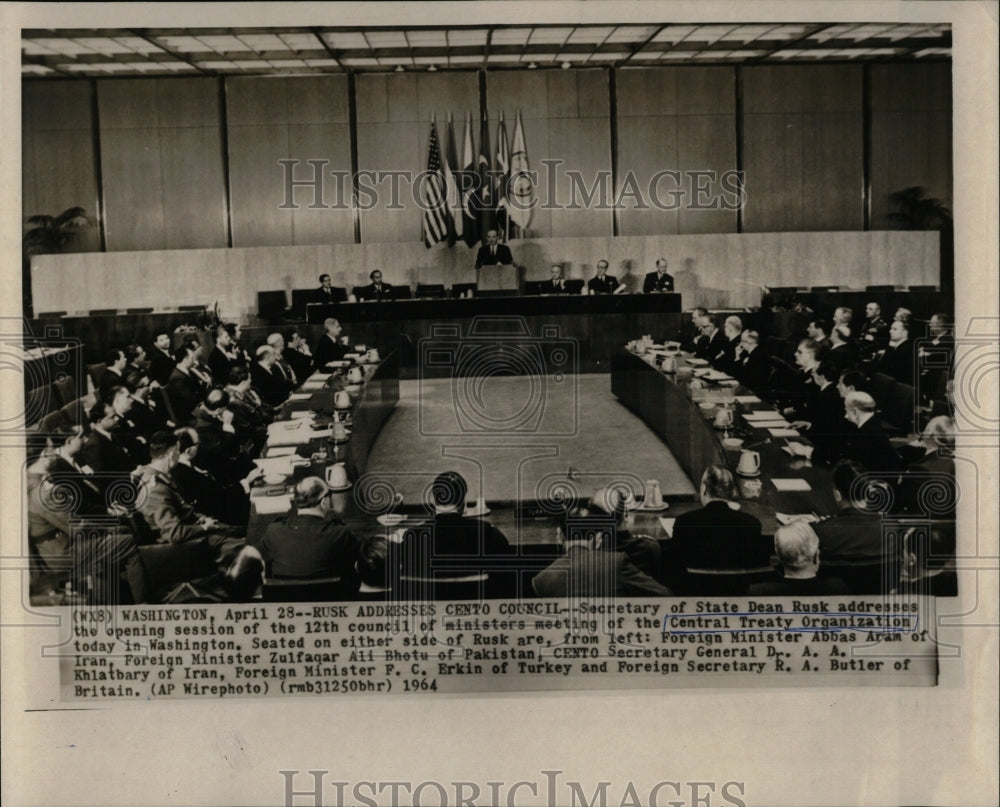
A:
x: 400, y: 68
x: 432, y: 69
x: 532, y: 66
x: 566, y: 65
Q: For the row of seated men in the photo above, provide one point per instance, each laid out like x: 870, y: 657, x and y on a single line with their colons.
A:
x: 167, y: 454
x: 716, y: 548
x: 657, y: 281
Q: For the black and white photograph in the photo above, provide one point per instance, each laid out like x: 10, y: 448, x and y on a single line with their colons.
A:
x: 580, y: 402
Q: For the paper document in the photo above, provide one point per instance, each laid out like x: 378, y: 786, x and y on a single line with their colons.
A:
x: 269, y: 505
x: 668, y: 526
x: 791, y: 484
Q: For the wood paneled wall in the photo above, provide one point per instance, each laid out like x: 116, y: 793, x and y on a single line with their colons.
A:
x: 59, y: 169
x: 717, y: 270
x: 162, y: 163
x: 167, y: 147
x: 803, y: 147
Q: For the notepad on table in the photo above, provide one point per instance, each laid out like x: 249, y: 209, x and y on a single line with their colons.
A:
x: 747, y: 399
x: 763, y: 414
x: 269, y: 505
x: 280, y: 451
x: 791, y: 484
x: 299, y: 396
x: 784, y: 432
x: 788, y: 518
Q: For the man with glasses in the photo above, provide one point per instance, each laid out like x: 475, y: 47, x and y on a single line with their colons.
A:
x: 602, y: 282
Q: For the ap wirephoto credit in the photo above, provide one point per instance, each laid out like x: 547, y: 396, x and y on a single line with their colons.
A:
x: 483, y: 379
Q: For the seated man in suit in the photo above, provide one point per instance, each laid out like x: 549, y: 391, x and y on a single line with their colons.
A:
x: 843, y: 316
x: 855, y: 535
x: 277, y: 343
x: 161, y: 360
x: 602, y: 282
x: 698, y: 317
x: 928, y: 484
x: 224, y: 452
x: 185, y: 389
x: 225, y: 355
x: 147, y: 414
x: 899, y: 356
x: 331, y: 346
x: 311, y: 541
x: 752, y: 369
x: 819, y: 331
x: 227, y: 501
x: 797, y: 548
x: 177, y: 521
x: 874, y: 332
x: 659, y: 280
x: 376, y: 290
x: 937, y: 357
x: 712, y: 347
x: 717, y: 536
x: 588, y: 569
x: 113, y: 375
x: 556, y: 284
x: 823, y: 415
x: 70, y: 525
x: 643, y: 551
x: 843, y: 352
x: 732, y: 330
x: 250, y: 414
x: 450, y: 545
x: 325, y: 294
x: 492, y: 253
x: 268, y: 381
x: 103, y: 452
x: 297, y: 354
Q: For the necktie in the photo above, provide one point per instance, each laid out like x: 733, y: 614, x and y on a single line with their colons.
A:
x: 493, y: 251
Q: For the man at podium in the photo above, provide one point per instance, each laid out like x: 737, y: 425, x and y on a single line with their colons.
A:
x: 493, y: 254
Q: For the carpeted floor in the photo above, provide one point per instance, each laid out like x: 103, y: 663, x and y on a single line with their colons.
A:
x: 519, y: 439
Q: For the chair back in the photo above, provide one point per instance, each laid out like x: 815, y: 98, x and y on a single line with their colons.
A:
x: 38, y: 403
x: 439, y: 587
x: 65, y: 389
x: 327, y: 589
x: 96, y: 373
x: 435, y: 290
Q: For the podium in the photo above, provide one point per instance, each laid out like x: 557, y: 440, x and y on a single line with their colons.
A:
x: 500, y: 277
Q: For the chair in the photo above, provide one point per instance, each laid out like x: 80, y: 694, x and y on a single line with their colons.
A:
x: 724, y: 581
x: 824, y: 289
x: 140, y: 310
x: 96, y: 373
x: 326, y: 589
x: 38, y: 403
x: 50, y: 314
x: 883, y: 287
x: 75, y: 412
x: 167, y: 565
x: 271, y: 304
x: 53, y: 421
x: 574, y: 285
x: 459, y: 289
x: 65, y: 389
x: 776, y: 290
x: 533, y: 286
x: 102, y: 312
x: 881, y: 386
x: 168, y: 407
x: 401, y: 293
x: 432, y: 290
x: 922, y: 288
x: 899, y: 408
x: 191, y: 308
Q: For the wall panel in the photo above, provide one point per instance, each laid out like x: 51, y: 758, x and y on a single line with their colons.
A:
x: 57, y: 151
x: 803, y: 147
x: 911, y: 133
x: 301, y: 119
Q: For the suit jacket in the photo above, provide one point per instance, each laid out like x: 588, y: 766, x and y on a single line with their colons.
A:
x: 224, y: 454
x: 373, y: 292
x: 161, y: 365
x: 549, y: 287
x: 107, y: 458
x: 166, y: 510
x: 327, y: 350
x: 869, y: 446
x: 728, y: 361
x: 828, y: 428
x: 718, y: 537
x: 714, y: 349
x: 226, y: 502
x: 754, y: 369
x: 852, y: 535
x: 605, y: 285
x: 844, y: 357
x: 327, y: 296
x: 185, y: 392
x: 108, y: 380
x: 654, y: 282
x: 220, y: 363
x: 798, y: 587
x: 503, y: 256
x: 271, y: 385
x: 874, y: 332
x: 304, y: 545
x: 300, y: 363
x: 898, y: 362
x: 584, y: 572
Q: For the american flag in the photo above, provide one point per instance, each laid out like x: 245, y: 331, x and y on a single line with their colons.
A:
x: 436, y: 214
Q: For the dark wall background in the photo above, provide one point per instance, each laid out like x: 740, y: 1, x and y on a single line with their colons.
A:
x: 193, y: 162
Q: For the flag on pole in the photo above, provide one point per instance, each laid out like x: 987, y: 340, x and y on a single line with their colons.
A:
x: 502, y: 179
x: 521, y: 197
x: 466, y: 182
x: 433, y: 192
x: 450, y: 165
x: 487, y: 214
